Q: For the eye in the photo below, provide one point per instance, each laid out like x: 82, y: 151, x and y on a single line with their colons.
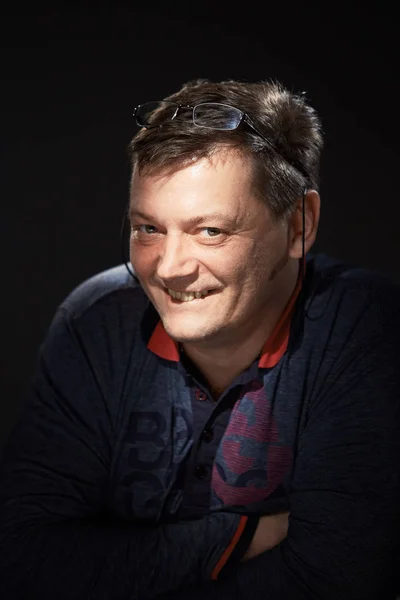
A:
x: 144, y: 229
x: 212, y: 231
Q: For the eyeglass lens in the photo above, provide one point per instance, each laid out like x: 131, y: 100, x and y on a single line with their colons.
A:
x: 210, y: 115
x: 153, y: 114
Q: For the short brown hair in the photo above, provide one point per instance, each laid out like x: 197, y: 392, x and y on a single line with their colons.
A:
x: 285, y: 118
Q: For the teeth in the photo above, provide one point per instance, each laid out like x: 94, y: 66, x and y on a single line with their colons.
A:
x: 187, y: 297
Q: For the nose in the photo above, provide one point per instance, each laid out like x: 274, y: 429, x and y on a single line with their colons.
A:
x: 176, y: 260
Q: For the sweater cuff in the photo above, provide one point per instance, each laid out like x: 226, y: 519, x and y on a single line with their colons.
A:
x: 237, y: 547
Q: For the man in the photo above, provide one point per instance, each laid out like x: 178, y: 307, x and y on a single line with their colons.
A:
x: 225, y: 424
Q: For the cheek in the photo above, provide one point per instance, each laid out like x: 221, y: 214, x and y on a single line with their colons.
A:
x: 141, y: 259
x: 225, y: 266
x: 234, y: 265
x: 253, y: 271
x: 234, y: 274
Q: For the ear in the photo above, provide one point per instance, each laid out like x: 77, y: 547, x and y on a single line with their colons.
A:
x: 312, y: 211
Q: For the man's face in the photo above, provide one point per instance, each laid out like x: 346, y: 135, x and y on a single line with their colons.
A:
x: 202, y: 231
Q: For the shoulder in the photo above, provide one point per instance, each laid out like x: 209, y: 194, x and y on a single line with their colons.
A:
x: 348, y: 293
x: 346, y: 339
x: 109, y: 307
x: 110, y: 288
x: 108, y: 316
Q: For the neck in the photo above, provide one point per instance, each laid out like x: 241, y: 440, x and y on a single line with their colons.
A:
x: 222, y: 361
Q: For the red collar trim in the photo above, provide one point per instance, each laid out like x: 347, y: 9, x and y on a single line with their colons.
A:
x: 162, y: 345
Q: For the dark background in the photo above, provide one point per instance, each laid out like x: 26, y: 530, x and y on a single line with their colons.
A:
x: 70, y: 78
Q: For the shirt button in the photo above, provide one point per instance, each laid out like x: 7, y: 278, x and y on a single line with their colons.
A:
x: 200, y: 395
x: 207, y: 435
x: 200, y: 471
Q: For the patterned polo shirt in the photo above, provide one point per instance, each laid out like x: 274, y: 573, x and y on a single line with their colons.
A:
x: 124, y: 478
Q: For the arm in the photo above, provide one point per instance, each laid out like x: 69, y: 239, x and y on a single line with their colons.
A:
x: 344, y: 496
x: 57, y: 539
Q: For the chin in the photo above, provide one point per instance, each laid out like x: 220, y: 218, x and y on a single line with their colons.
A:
x: 188, y: 334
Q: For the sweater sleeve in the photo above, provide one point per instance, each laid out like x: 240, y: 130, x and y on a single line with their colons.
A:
x: 57, y: 536
x: 345, y: 494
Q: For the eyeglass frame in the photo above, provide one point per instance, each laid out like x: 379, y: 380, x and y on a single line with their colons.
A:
x: 244, y: 117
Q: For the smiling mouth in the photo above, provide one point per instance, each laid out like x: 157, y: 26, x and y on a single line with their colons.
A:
x: 188, y: 296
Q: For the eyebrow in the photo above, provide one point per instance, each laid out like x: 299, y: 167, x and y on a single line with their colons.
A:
x: 216, y: 216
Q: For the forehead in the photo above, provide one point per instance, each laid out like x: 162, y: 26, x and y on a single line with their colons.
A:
x: 222, y: 182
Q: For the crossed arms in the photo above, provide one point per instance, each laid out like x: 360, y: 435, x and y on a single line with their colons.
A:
x: 344, y: 498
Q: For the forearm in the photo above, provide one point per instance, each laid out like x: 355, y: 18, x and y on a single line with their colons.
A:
x: 78, y: 559
x: 268, y: 577
x: 257, y: 576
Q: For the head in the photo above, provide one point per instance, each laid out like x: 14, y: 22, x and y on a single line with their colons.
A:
x: 218, y: 212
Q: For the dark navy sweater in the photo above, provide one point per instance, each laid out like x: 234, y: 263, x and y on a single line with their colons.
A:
x: 124, y: 480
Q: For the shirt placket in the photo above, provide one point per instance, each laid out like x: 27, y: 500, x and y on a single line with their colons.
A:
x: 210, y: 420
